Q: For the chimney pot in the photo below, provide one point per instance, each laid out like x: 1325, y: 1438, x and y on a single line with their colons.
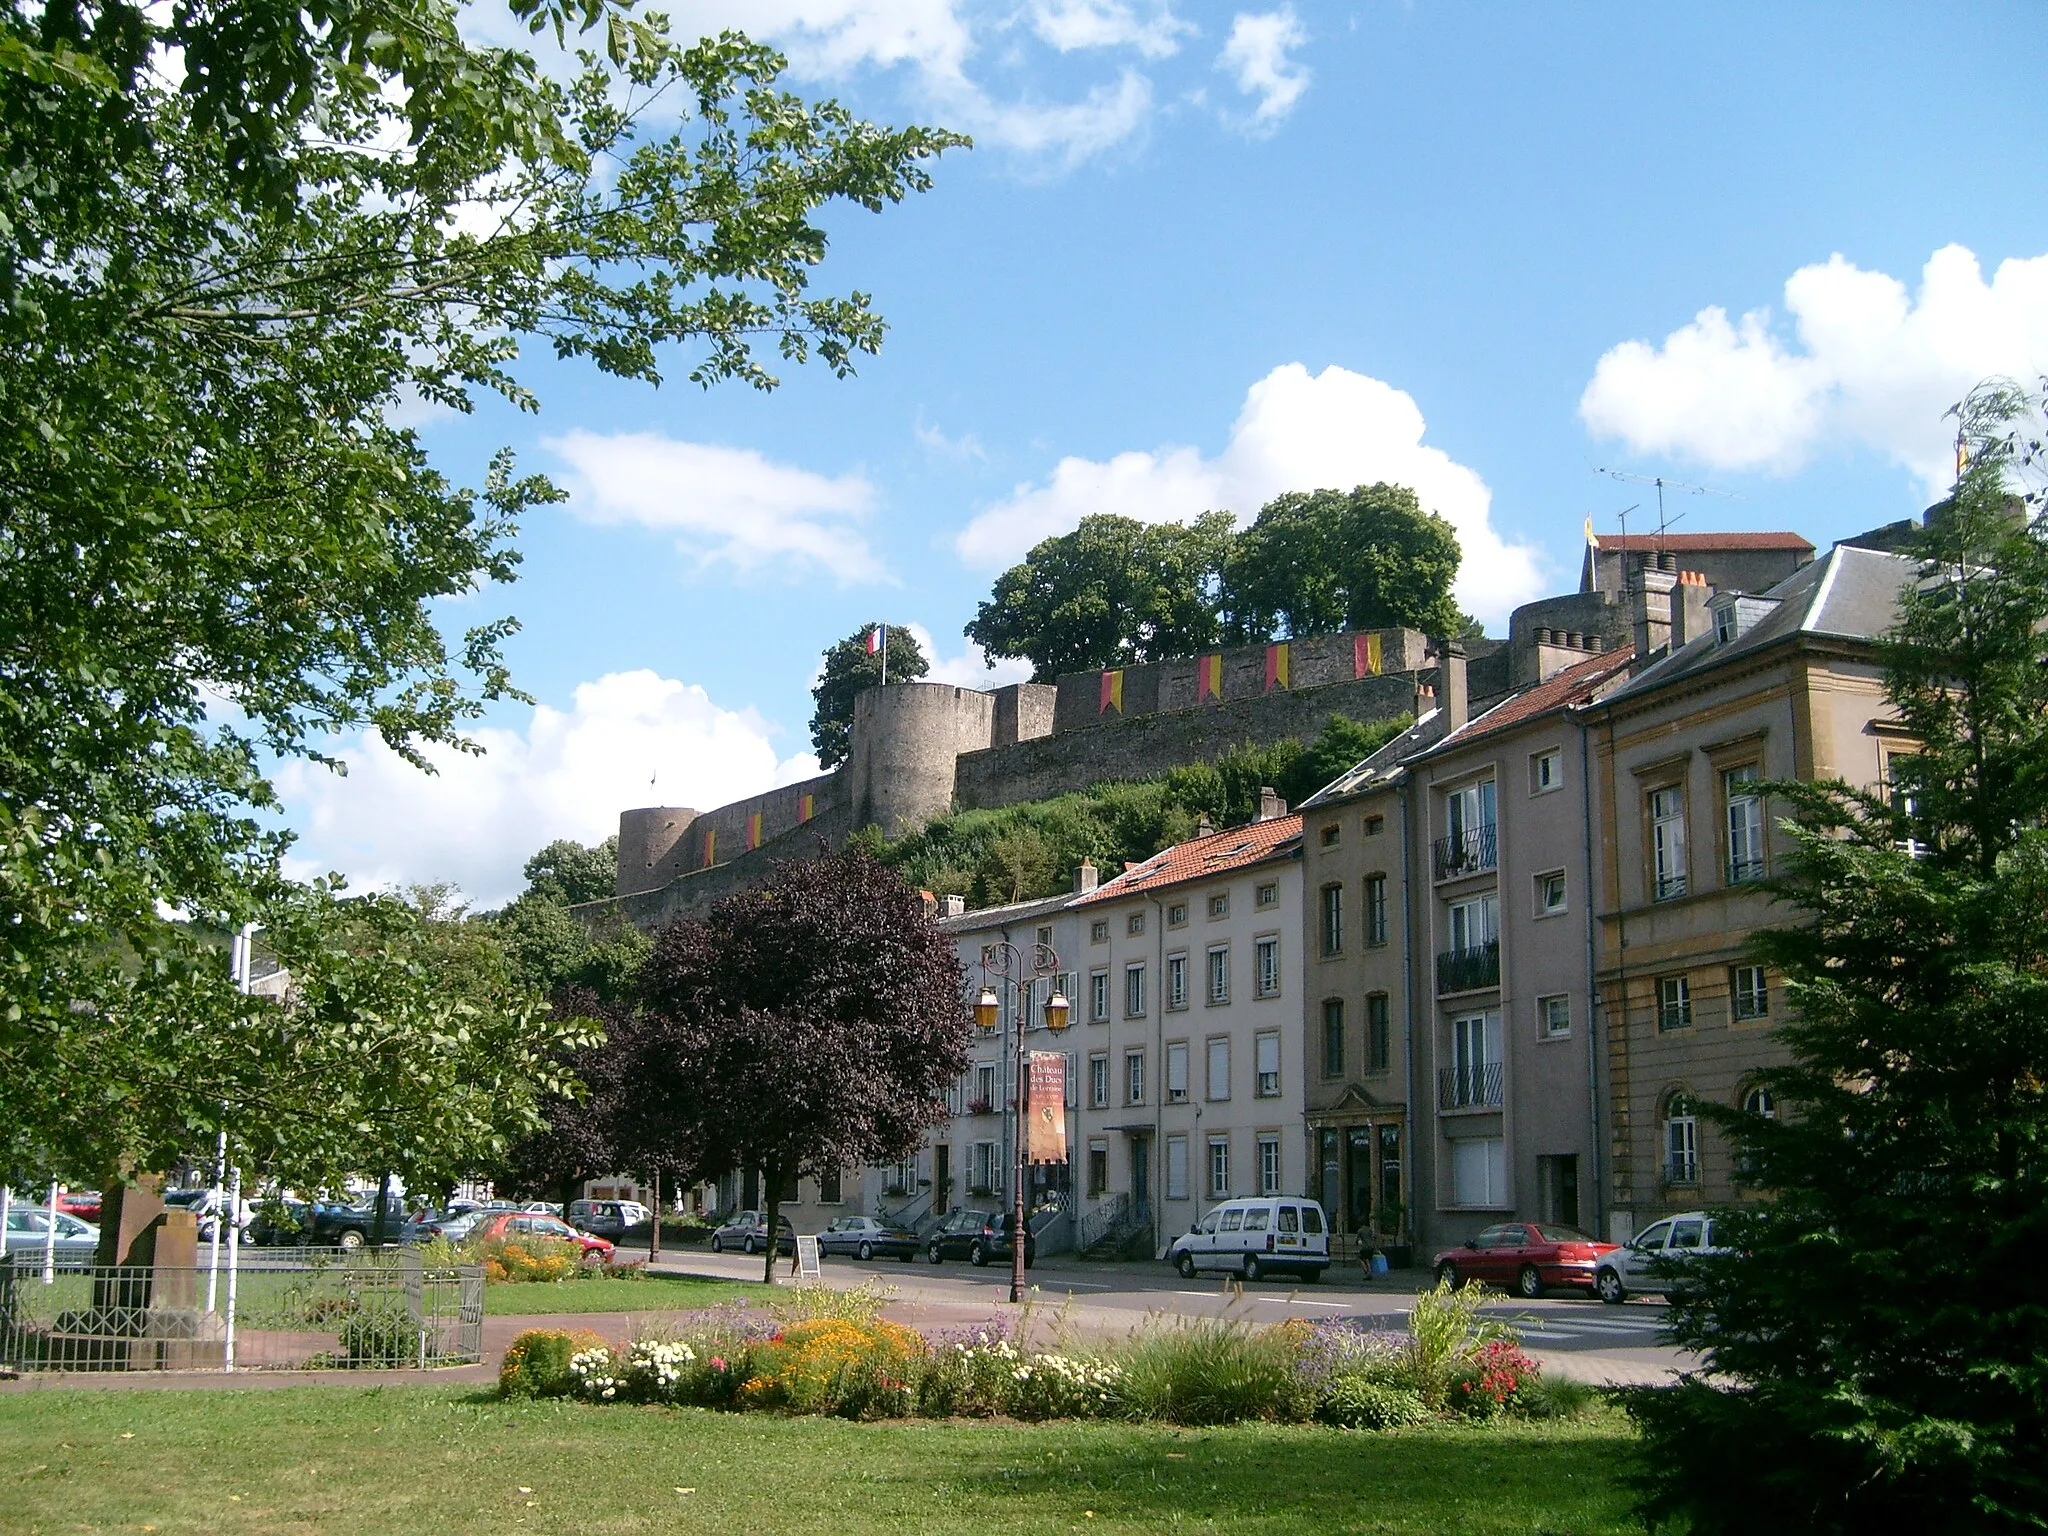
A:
x: 1451, y: 699
x: 952, y: 906
x: 1085, y: 877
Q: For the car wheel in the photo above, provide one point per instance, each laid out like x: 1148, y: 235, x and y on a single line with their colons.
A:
x: 594, y: 1256
x: 1447, y: 1274
x: 867, y: 1250
x: 1312, y: 1275
x: 975, y: 1255
x: 1528, y: 1283
x: 749, y: 1246
x: 1186, y: 1266
x: 350, y: 1240
x: 905, y: 1256
x: 1608, y: 1284
x: 935, y: 1253
x: 1253, y: 1269
x: 717, y: 1244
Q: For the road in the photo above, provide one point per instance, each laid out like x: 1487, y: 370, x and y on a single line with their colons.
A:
x: 1571, y: 1335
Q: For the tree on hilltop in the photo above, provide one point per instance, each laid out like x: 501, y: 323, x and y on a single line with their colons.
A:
x: 850, y: 669
x: 1320, y: 562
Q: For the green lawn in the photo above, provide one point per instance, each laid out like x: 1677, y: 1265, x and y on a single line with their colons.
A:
x: 439, y: 1459
x: 652, y: 1293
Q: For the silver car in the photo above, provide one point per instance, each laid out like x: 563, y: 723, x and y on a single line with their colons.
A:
x: 28, y: 1231
x: 1653, y: 1261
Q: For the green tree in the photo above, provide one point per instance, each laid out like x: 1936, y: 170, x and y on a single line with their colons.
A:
x: 1113, y: 592
x: 568, y: 874
x: 848, y: 670
x: 219, y: 548
x: 1880, y: 1347
x: 1320, y: 562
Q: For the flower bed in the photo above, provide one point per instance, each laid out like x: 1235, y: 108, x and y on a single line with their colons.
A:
x: 847, y: 1360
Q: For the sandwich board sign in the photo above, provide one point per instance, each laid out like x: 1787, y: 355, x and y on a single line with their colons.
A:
x: 807, y: 1259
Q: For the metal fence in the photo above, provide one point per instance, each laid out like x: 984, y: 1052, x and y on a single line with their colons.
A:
x: 302, y: 1310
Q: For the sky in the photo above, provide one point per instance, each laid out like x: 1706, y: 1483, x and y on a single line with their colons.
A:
x: 1202, y: 254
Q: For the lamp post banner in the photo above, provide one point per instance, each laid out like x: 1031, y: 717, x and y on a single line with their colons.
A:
x: 1045, y: 1139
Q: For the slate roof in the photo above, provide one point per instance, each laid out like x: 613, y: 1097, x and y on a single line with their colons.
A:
x: 1679, y: 543
x: 1202, y: 858
x: 997, y: 917
x: 1574, y: 684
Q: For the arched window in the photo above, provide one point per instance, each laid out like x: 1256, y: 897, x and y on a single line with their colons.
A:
x: 1681, y: 1141
x: 1760, y: 1102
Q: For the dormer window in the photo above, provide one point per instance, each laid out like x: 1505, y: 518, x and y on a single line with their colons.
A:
x: 1724, y: 624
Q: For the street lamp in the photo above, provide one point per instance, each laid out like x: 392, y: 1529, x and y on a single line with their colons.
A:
x: 1010, y: 965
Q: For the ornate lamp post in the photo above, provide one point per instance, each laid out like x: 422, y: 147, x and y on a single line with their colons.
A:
x: 1019, y: 971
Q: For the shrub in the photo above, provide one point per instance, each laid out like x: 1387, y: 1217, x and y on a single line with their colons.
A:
x: 862, y: 1303
x: 1330, y: 1353
x: 1491, y: 1379
x: 836, y: 1365
x: 536, y: 1363
x: 380, y: 1336
x: 1445, y: 1331
x: 1559, y: 1397
x: 1360, y: 1402
x: 1066, y: 1387
x: 972, y: 1374
x: 529, y: 1258
x: 1207, y: 1372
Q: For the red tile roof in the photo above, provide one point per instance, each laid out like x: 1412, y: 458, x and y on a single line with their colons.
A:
x: 1573, y: 685
x: 1678, y: 543
x: 1201, y: 858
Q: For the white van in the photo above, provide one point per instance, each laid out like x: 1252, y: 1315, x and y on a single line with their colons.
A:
x: 1654, y: 1260
x: 1271, y: 1235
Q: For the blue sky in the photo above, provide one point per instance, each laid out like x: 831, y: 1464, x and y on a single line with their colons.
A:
x: 1202, y: 254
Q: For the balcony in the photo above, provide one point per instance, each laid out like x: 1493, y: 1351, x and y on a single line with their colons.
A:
x: 1464, y: 970
x: 1742, y: 871
x: 1475, y: 1086
x: 1465, y: 853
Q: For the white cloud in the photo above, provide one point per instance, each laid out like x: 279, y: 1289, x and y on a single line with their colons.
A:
x: 1296, y: 431
x: 940, y: 446
x: 1866, y: 364
x: 1062, y: 134
x: 1071, y: 24
x: 728, y: 504
x: 1258, y: 55
x: 970, y: 669
x: 835, y: 37
x: 567, y: 774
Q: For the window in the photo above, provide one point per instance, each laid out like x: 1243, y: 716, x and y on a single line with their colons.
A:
x: 1475, y: 923
x: 1177, y: 915
x: 1098, y: 997
x: 1470, y: 810
x: 1725, y: 625
x: 1333, y: 1037
x: 1070, y: 1076
x: 1268, y: 895
x: 1667, y: 842
x: 1904, y: 805
x: 1219, y: 1167
x: 1377, y: 1033
x: 1681, y: 1142
x: 1333, y: 920
x: 956, y: 1096
x: 1475, y: 1073
x: 1134, y: 990
x: 1745, y: 824
x: 1375, y: 825
x: 1266, y: 953
x: 1550, y: 893
x: 1674, y: 1002
x: 1176, y: 1167
x: 1553, y: 1016
x: 1045, y: 937
x: 1219, y: 905
x: 1479, y: 1171
x: 1098, y: 1169
x: 1218, y: 1083
x: 981, y: 1168
x: 1546, y: 771
x: 1760, y: 1102
x: 903, y: 1177
x: 828, y: 1187
x: 1134, y: 1077
x: 1266, y: 1059
x: 1375, y: 909
x: 1751, y: 999
x: 1219, y: 974
x: 1135, y: 924
x: 1098, y: 1080
x: 1177, y: 1072
x: 1332, y: 834
x: 1269, y: 1168
x: 1098, y: 931
x: 984, y: 1088
x: 1176, y: 981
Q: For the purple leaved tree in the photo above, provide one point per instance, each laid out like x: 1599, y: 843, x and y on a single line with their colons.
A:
x: 811, y: 1023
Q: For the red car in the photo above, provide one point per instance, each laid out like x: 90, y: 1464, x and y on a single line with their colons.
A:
x: 82, y: 1203
x: 515, y: 1224
x: 1526, y: 1257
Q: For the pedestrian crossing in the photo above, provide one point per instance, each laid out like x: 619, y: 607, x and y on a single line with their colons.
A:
x: 1594, y: 1327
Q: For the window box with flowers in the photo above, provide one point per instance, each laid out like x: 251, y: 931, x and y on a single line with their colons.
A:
x: 980, y: 1107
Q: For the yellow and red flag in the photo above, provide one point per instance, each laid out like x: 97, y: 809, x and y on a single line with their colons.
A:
x: 1209, y: 678
x: 1276, y: 666
x: 710, y: 847
x: 806, y: 808
x: 1112, y: 692
x: 1366, y: 656
x: 754, y: 831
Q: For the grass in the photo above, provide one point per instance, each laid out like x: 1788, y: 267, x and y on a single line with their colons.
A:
x: 651, y: 1293
x: 447, y: 1460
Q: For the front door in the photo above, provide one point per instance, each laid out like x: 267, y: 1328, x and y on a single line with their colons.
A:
x: 1141, y: 1174
x: 1358, y: 1183
x: 942, y: 1176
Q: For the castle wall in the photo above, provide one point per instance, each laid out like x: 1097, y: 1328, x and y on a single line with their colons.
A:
x: 690, y: 893
x: 716, y: 836
x: 1023, y: 711
x: 647, y: 839
x: 906, y: 739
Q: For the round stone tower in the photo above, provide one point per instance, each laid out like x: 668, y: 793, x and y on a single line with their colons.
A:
x: 647, y: 837
x: 901, y: 754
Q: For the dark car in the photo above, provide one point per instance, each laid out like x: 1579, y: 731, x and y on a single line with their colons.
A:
x: 866, y: 1236
x: 1527, y: 1257
x: 748, y: 1232
x: 977, y: 1237
x: 333, y: 1225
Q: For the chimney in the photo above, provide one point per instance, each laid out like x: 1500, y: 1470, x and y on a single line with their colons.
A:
x: 1652, y: 615
x: 1205, y: 827
x: 1084, y: 878
x: 1689, y: 618
x: 1271, y: 806
x: 1450, y: 685
x: 952, y: 906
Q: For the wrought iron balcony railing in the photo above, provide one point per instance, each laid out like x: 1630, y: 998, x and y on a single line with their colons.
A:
x: 1477, y: 1085
x: 1465, y: 853
x: 1463, y: 970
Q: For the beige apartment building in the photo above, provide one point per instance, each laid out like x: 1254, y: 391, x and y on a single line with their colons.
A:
x: 1777, y: 685
x: 1188, y: 1034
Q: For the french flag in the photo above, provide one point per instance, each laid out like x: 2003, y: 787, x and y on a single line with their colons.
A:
x: 875, y: 638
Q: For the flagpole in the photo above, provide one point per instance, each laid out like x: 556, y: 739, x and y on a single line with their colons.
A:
x: 885, y: 655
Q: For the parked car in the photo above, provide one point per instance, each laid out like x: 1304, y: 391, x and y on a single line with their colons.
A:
x: 279, y: 1222
x: 1269, y: 1235
x: 608, y: 1218
x: 327, y: 1224
x: 1527, y: 1257
x: 28, y: 1231
x: 748, y: 1231
x: 202, y: 1204
x: 516, y: 1224
x: 866, y: 1236
x: 455, y: 1225
x: 977, y: 1237
x: 85, y: 1204
x: 1653, y: 1262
